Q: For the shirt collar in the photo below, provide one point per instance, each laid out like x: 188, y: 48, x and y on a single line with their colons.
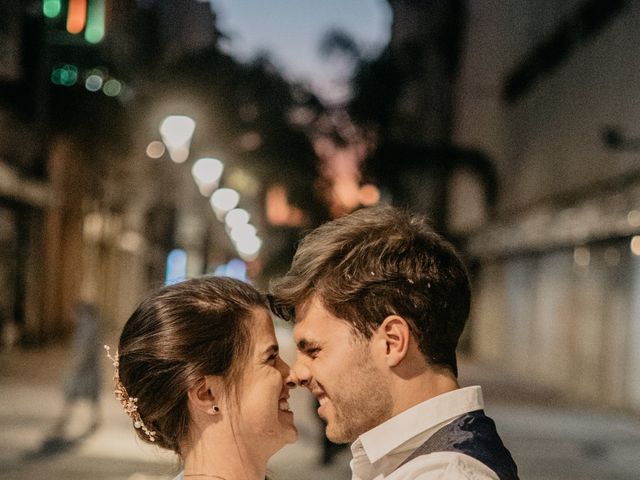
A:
x: 386, y: 437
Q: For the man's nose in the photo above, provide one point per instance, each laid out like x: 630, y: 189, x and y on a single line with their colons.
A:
x: 299, y: 375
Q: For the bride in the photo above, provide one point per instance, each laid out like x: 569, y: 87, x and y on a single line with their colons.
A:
x: 198, y: 371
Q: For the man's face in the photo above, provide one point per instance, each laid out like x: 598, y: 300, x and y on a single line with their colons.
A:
x: 339, y: 369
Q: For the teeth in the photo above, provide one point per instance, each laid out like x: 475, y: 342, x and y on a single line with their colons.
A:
x: 284, y: 405
x: 322, y: 400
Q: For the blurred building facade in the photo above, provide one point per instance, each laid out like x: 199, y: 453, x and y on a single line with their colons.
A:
x: 87, y: 211
x: 548, y: 90
x: 25, y: 191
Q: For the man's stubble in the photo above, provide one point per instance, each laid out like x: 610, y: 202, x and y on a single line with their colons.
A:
x: 362, y: 401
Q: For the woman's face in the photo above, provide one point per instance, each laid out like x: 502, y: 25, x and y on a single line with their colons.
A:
x: 263, y: 414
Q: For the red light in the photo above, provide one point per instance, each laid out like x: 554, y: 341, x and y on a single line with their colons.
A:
x: 77, y: 16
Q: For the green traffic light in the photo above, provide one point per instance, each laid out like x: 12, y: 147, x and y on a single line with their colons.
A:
x: 94, y: 31
x: 51, y: 8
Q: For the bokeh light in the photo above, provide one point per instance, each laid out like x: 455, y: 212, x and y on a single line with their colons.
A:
x: 206, y: 173
x: 635, y: 245
x: 176, y: 267
x: 176, y: 131
x: 112, y: 87
x: 93, y: 83
x: 51, y: 8
x: 236, y: 268
x: 66, y: 75
x: 241, y: 232
x: 179, y: 154
x: 94, y: 32
x: 76, y: 16
x: 633, y: 218
x: 236, y: 217
x: 249, y: 247
x: 155, y: 149
x: 224, y: 200
x: 369, y: 194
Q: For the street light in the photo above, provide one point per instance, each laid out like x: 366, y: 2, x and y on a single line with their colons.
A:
x: 206, y: 173
x: 176, y: 131
x: 223, y: 200
x: 236, y: 217
x: 249, y: 247
x: 242, y: 232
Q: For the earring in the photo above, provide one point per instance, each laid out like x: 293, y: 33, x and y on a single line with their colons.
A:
x: 215, y: 410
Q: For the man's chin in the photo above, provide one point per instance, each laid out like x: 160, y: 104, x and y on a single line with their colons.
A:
x: 336, y: 436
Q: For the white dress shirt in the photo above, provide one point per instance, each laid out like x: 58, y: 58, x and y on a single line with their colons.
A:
x: 378, y: 452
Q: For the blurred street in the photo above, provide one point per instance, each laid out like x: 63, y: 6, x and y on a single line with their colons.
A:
x: 550, y: 437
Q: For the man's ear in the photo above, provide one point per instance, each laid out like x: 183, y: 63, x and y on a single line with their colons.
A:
x: 395, y: 333
x: 202, y: 396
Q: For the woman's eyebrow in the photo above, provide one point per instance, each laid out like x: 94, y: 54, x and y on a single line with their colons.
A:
x: 271, y: 349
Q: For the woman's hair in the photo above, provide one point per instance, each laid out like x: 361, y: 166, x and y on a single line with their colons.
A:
x: 175, y: 337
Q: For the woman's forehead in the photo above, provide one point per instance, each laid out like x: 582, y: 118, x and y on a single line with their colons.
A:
x: 262, y: 330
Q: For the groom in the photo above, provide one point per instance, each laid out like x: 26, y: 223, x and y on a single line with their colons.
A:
x: 379, y: 302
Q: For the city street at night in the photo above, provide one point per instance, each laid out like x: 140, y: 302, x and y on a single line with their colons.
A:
x: 409, y: 186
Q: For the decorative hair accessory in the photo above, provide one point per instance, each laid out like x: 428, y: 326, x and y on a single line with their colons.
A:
x: 129, y: 404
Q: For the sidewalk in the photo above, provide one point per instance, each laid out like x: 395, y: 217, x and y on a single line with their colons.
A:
x: 550, y: 438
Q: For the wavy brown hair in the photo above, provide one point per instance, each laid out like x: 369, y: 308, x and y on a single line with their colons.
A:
x: 175, y: 337
x: 377, y: 262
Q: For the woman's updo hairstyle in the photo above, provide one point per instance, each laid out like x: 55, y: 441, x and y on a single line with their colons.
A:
x: 175, y: 337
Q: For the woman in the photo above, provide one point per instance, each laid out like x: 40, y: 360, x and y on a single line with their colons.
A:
x: 198, y: 372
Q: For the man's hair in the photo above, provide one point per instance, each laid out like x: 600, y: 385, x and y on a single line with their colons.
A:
x: 377, y: 262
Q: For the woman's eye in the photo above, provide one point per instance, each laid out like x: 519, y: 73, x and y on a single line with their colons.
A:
x: 272, y: 359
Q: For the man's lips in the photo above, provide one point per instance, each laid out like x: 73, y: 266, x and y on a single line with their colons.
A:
x: 323, y: 399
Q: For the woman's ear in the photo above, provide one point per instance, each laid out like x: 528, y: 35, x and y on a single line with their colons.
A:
x: 394, y: 331
x: 203, y: 397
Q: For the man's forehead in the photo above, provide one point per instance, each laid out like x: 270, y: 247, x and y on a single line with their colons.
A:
x: 311, y: 311
x: 315, y: 322
x: 302, y: 308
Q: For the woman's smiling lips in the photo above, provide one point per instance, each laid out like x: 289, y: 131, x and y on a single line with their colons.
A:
x: 283, y: 405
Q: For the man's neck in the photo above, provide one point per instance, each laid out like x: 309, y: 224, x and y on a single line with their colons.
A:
x: 408, y: 392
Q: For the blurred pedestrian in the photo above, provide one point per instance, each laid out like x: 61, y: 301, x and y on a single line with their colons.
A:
x: 84, y: 378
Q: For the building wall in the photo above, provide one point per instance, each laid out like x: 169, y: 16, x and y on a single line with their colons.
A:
x: 556, y: 296
x: 549, y: 140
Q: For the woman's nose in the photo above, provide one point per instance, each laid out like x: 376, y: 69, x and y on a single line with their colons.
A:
x: 286, y: 371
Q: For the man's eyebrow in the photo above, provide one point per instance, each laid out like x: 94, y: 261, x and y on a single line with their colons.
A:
x: 303, y: 345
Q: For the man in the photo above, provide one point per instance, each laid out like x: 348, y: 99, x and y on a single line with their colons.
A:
x: 379, y: 302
